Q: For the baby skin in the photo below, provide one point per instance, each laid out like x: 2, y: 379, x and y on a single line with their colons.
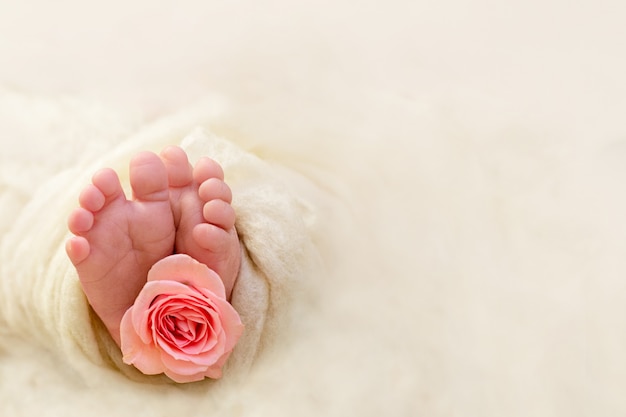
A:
x: 175, y: 208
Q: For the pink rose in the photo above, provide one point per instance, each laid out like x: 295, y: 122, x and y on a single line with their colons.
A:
x: 181, y: 323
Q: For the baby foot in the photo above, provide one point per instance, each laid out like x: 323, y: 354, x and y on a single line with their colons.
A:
x: 204, y: 218
x: 118, y: 240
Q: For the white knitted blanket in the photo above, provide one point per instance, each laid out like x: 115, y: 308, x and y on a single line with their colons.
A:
x: 430, y: 194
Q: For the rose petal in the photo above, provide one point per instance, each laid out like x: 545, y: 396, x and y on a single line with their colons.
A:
x: 185, y: 269
x: 221, y: 361
x: 210, y: 357
x: 167, y: 322
x: 230, y: 320
x: 202, y: 340
x: 198, y: 346
x: 148, y: 361
x: 181, y: 367
x: 181, y: 323
x: 144, y: 357
x: 203, y: 353
x: 215, y: 370
x: 183, y: 379
x: 152, y: 298
x: 130, y: 343
x: 206, y: 339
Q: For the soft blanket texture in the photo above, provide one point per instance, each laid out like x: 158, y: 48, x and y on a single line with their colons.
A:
x: 279, y: 213
x: 43, y: 301
x: 440, y: 185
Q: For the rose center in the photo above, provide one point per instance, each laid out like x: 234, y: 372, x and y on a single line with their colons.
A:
x: 182, y: 329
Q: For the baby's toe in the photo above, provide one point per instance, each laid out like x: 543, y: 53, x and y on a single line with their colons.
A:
x: 80, y: 221
x: 148, y: 177
x: 107, y: 182
x: 219, y: 213
x: 92, y: 198
x: 77, y: 249
x: 179, y: 170
x: 211, y: 237
x: 207, y: 168
x: 215, y: 189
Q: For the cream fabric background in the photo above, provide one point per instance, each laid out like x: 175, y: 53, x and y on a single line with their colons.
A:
x: 477, y: 149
